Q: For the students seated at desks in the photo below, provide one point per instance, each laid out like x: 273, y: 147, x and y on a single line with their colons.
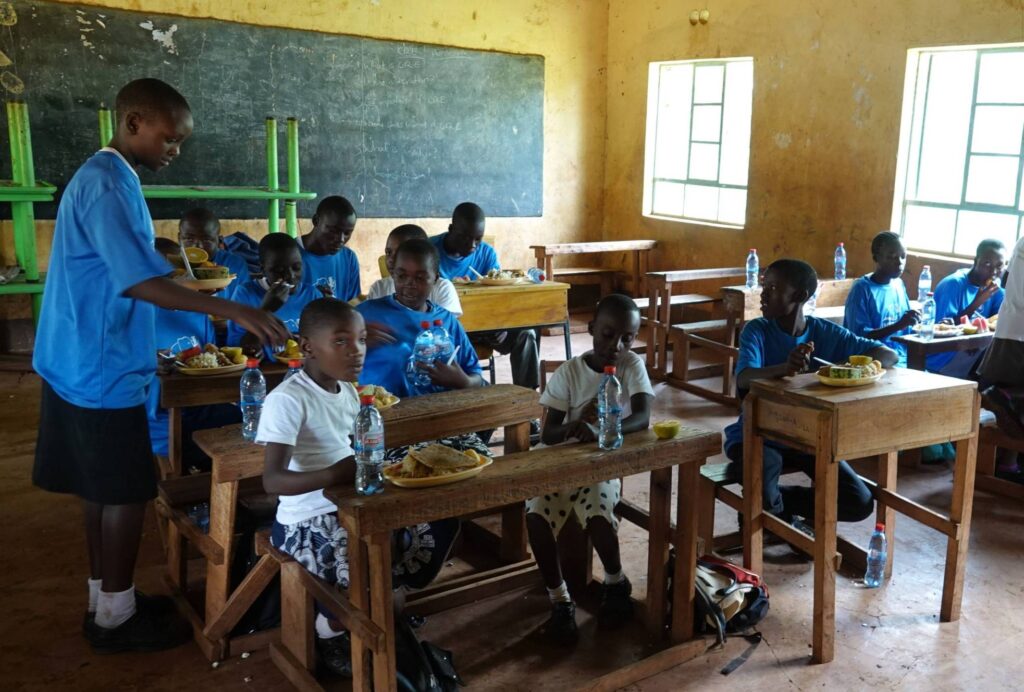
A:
x: 200, y: 228
x: 570, y: 401
x: 95, y: 350
x: 462, y: 251
x: 328, y: 264
x: 781, y: 344
x: 306, y: 425
x: 969, y: 293
x: 443, y: 294
x: 280, y: 290
x: 878, y: 307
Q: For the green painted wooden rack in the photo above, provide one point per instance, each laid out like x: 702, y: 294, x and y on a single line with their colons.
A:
x: 22, y: 192
x: 273, y: 193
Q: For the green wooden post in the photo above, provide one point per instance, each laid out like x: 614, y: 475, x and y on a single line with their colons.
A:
x: 17, y: 175
x: 273, y: 209
x: 290, y: 210
x: 23, y: 220
x: 106, y: 126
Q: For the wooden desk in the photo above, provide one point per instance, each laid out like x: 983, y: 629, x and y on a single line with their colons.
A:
x: 640, y: 249
x: 516, y: 478
x: 494, y: 308
x: 906, y: 409
x: 743, y: 304
x: 918, y: 349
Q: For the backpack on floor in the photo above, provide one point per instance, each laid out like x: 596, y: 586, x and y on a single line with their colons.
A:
x: 728, y: 599
x: 420, y: 665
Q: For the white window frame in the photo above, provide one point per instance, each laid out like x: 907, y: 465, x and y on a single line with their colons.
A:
x: 907, y: 148
x: 650, y: 149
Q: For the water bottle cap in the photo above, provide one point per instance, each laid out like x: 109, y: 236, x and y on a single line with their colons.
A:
x: 931, y: 294
x: 295, y: 363
x: 879, y: 527
x: 753, y: 249
x: 840, y: 245
x: 927, y: 266
x: 252, y: 363
x: 425, y: 325
x: 366, y: 399
x: 609, y: 370
x: 438, y: 323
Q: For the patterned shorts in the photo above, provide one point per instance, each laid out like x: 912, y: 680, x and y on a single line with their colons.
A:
x: 597, y: 500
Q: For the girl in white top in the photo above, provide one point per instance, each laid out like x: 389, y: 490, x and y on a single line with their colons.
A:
x: 1001, y: 366
x: 442, y: 294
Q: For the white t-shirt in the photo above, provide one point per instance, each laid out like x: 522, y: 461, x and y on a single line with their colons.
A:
x: 1011, y: 312
x: 574, y: 385
x: 443, y: 293
x: 317, y: 425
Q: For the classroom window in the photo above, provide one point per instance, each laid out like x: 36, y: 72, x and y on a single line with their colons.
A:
x: 961, y: 158
x: 698, y: 140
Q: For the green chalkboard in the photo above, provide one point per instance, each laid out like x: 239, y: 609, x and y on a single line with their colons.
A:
x: 402, y: 129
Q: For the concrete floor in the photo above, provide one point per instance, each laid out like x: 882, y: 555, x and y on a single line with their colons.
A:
x: 888, y: 638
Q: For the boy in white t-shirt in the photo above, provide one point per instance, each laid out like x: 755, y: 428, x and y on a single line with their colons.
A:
x: 443, y: 292
x: 570, y: 401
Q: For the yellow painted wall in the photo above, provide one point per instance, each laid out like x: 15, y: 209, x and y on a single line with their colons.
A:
x: 570, y: 35
x: 828, y: 89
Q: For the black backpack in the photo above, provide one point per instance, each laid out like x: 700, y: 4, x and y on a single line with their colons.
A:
x: 420, y: 665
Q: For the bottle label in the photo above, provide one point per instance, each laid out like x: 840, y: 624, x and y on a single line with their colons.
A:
x: 370, y: 442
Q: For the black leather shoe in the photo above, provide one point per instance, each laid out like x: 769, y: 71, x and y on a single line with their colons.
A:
x: 144, y: 631
x: 336, y: 654
x: 561, y: 627
x: 616, y: 605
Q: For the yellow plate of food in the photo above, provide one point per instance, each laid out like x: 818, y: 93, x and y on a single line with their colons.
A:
x: 435, y: 465
x: 502, y: 277
x: 859, y: 371
x: 291, y: 352
x: 206, y: 284
x: 213, y: 361
x: 382, y: 398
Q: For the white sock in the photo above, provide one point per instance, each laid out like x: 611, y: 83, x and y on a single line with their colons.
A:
x: 323, y: 628
x: 113, y: 609
x: 560, y: 594
x: 94, y: 593
x: 610, y: 578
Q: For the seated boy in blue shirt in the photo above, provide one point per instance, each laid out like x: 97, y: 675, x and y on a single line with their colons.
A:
x: 200, y: 228
x: 878, y: 307
x: 969, y: 293
x: 781, y: 344
x: 328, y: 264
x: 280, y: 290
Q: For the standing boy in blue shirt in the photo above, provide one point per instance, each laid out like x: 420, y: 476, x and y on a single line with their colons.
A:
x: 781, y: 344
x: 200, y: 228
x: 969, y: 293
x: 328, y: 263
x: 877, y: 306
x: 96, y: 353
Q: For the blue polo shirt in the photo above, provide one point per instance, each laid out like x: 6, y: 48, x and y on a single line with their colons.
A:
x: 338, y: 272
x: 763, y: 344
x: 953, y: 294
x: 385, y: 364
x: 171, y: 325
x: 251, y: 293
x: 236, y: 265
x: 95, y: 345
x: 483, y: 259
x: 871, y: 306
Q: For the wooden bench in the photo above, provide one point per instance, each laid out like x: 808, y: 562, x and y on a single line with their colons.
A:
x: 603, y: 276
x: 990, y: 440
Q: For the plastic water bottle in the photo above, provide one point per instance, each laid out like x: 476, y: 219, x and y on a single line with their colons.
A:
x: 609, y: 410
x: 536, y: 275
x: 294, y: 368
x: 928, y: 317
x: 369, y: 448
x: 423, y: 351
x: 753, y: 268
x: 840, y: 262
x: 812, y: 303
x: 252, y: 390
x: 442, y: 342
x: 200, y: 516
x: 924, y: 284
x: 876, y: 558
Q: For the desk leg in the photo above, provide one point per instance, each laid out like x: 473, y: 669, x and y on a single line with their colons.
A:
x: 887, y: 467
x: 382, y: 609
x: 960, y: 513
x: 568, y: 339
x: 657, y: 553
x: 753, y: 505
x: 359, y: 597
x: 826, y: 484
x: 513, y: 519
x: 685, y: 575
x: 174, y: 442
x: 916, y: 358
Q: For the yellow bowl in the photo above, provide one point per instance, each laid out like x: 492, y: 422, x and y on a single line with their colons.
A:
x: 666, y: 429
x: 860, y: 360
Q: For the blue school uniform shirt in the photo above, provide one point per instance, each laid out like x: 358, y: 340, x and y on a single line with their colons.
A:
x: 171, y: 325
x: 338, y: 272
x: 763, y: 344
x: 251, y: 293
x: 953, y: 294
x: 95, y: 345
x: 871, y: 306
x: 385, y: 365
x: 237, y: 266
x: 483, y: 259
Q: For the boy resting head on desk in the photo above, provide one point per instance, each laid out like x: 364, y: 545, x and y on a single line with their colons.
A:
x: 781, y: 344
x: 570, y: 402
x: 442, y: 294
x: 280, y: 290
x: 306, y: 424
x: 328, y: 263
